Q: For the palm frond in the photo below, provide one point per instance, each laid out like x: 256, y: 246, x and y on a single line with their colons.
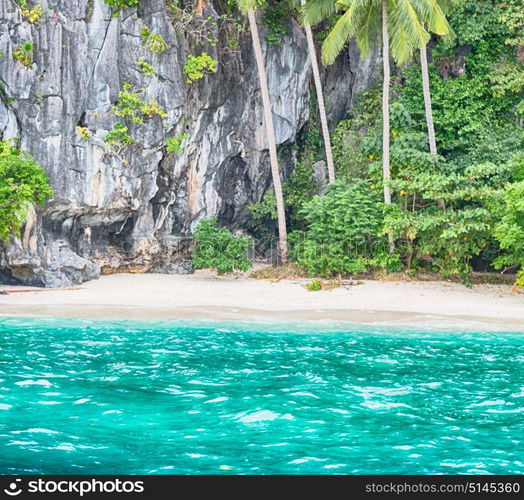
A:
x: 407, y: 32
x: 245, y: 5
x: 316, y: 11
x: 432, y: 15
x: 338, y: 37
x: 448, y: 5
x: 368, y: 33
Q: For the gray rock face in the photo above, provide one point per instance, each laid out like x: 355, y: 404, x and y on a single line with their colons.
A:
x: 134, y: 208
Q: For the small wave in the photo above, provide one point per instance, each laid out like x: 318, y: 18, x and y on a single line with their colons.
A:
x: 65, y: 447
x: 41, y: 382
x: 204, y: 382
x: 217, y: 400
x: 21, y: 443
x: 516, y: 410
x: 36, y: 431
x: 304, y: 460
x: 494, y: 402
x: 303, y: 393
x: 259, y: 416
x: 377, y: 405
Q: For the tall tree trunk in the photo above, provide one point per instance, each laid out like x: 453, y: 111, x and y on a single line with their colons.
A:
x: 385, y: 113
x: 320, y: 99
x: 270, y: 131
x: 427, y: 100
x: 199, y: 8
x: 429, y: 108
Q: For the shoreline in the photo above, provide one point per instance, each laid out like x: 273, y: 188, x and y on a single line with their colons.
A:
x: 203, y: 296
x: 379, y: 319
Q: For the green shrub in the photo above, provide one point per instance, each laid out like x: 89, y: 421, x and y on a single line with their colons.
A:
x: 131, y: 105
x: 196, y: 67
x: 31, y: 14
x: 174, y: 144
x: 121, y: 4
x: 153, y: 41
x: 145, y: 67
x: 516, y: 167
x: 509, y: 230
x: 520, y: 279
x: 217, y: 247
x: 24, y: 54
x: 446, y: 239
x: 352, y: 136
x: 343, y: 234
x: 119, y: 136
x: 297, y: 189
x: 22, y: 181
x: 314, y: 286
x: 276, y: 13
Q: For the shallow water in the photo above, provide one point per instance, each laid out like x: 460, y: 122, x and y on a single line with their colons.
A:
x: 84, y: 397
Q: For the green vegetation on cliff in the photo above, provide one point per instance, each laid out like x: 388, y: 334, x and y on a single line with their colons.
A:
x: 22, y: 182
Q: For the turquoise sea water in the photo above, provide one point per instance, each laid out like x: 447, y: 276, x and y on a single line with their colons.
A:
x: 84, y: 397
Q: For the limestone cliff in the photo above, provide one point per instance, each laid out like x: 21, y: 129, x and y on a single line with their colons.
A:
x: 134, y: 209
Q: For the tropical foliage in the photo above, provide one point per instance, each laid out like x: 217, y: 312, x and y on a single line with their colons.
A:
x: 453, y: 212
x: 22, y: 182
x: 218, y: 248
x: 174, y: 144
x: 509, y: 228
x: 440, y: 134
x: 197, y: 67
x: 24, y: 54
x: 344, y: 231
x: 121, y: 4
x: 31, y: 14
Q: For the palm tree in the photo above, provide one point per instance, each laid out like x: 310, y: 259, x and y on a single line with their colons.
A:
x: 320, y: 98
x: 386, y: 168
x: 434, y: 18
x: 402, y: 31
x: 248, y: 7
x: 433, y: 15
x: 427, y: 100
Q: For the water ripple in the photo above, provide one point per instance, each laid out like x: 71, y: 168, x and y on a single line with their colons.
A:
x: 189, y: 398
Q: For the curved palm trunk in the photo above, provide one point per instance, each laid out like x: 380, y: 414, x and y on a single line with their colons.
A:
x: 320, y: 99
x: 427, y: 100
x: 270, y: 131
x: 386, y: 169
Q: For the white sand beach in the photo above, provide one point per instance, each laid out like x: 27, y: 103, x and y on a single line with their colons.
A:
x: 205, y: 296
